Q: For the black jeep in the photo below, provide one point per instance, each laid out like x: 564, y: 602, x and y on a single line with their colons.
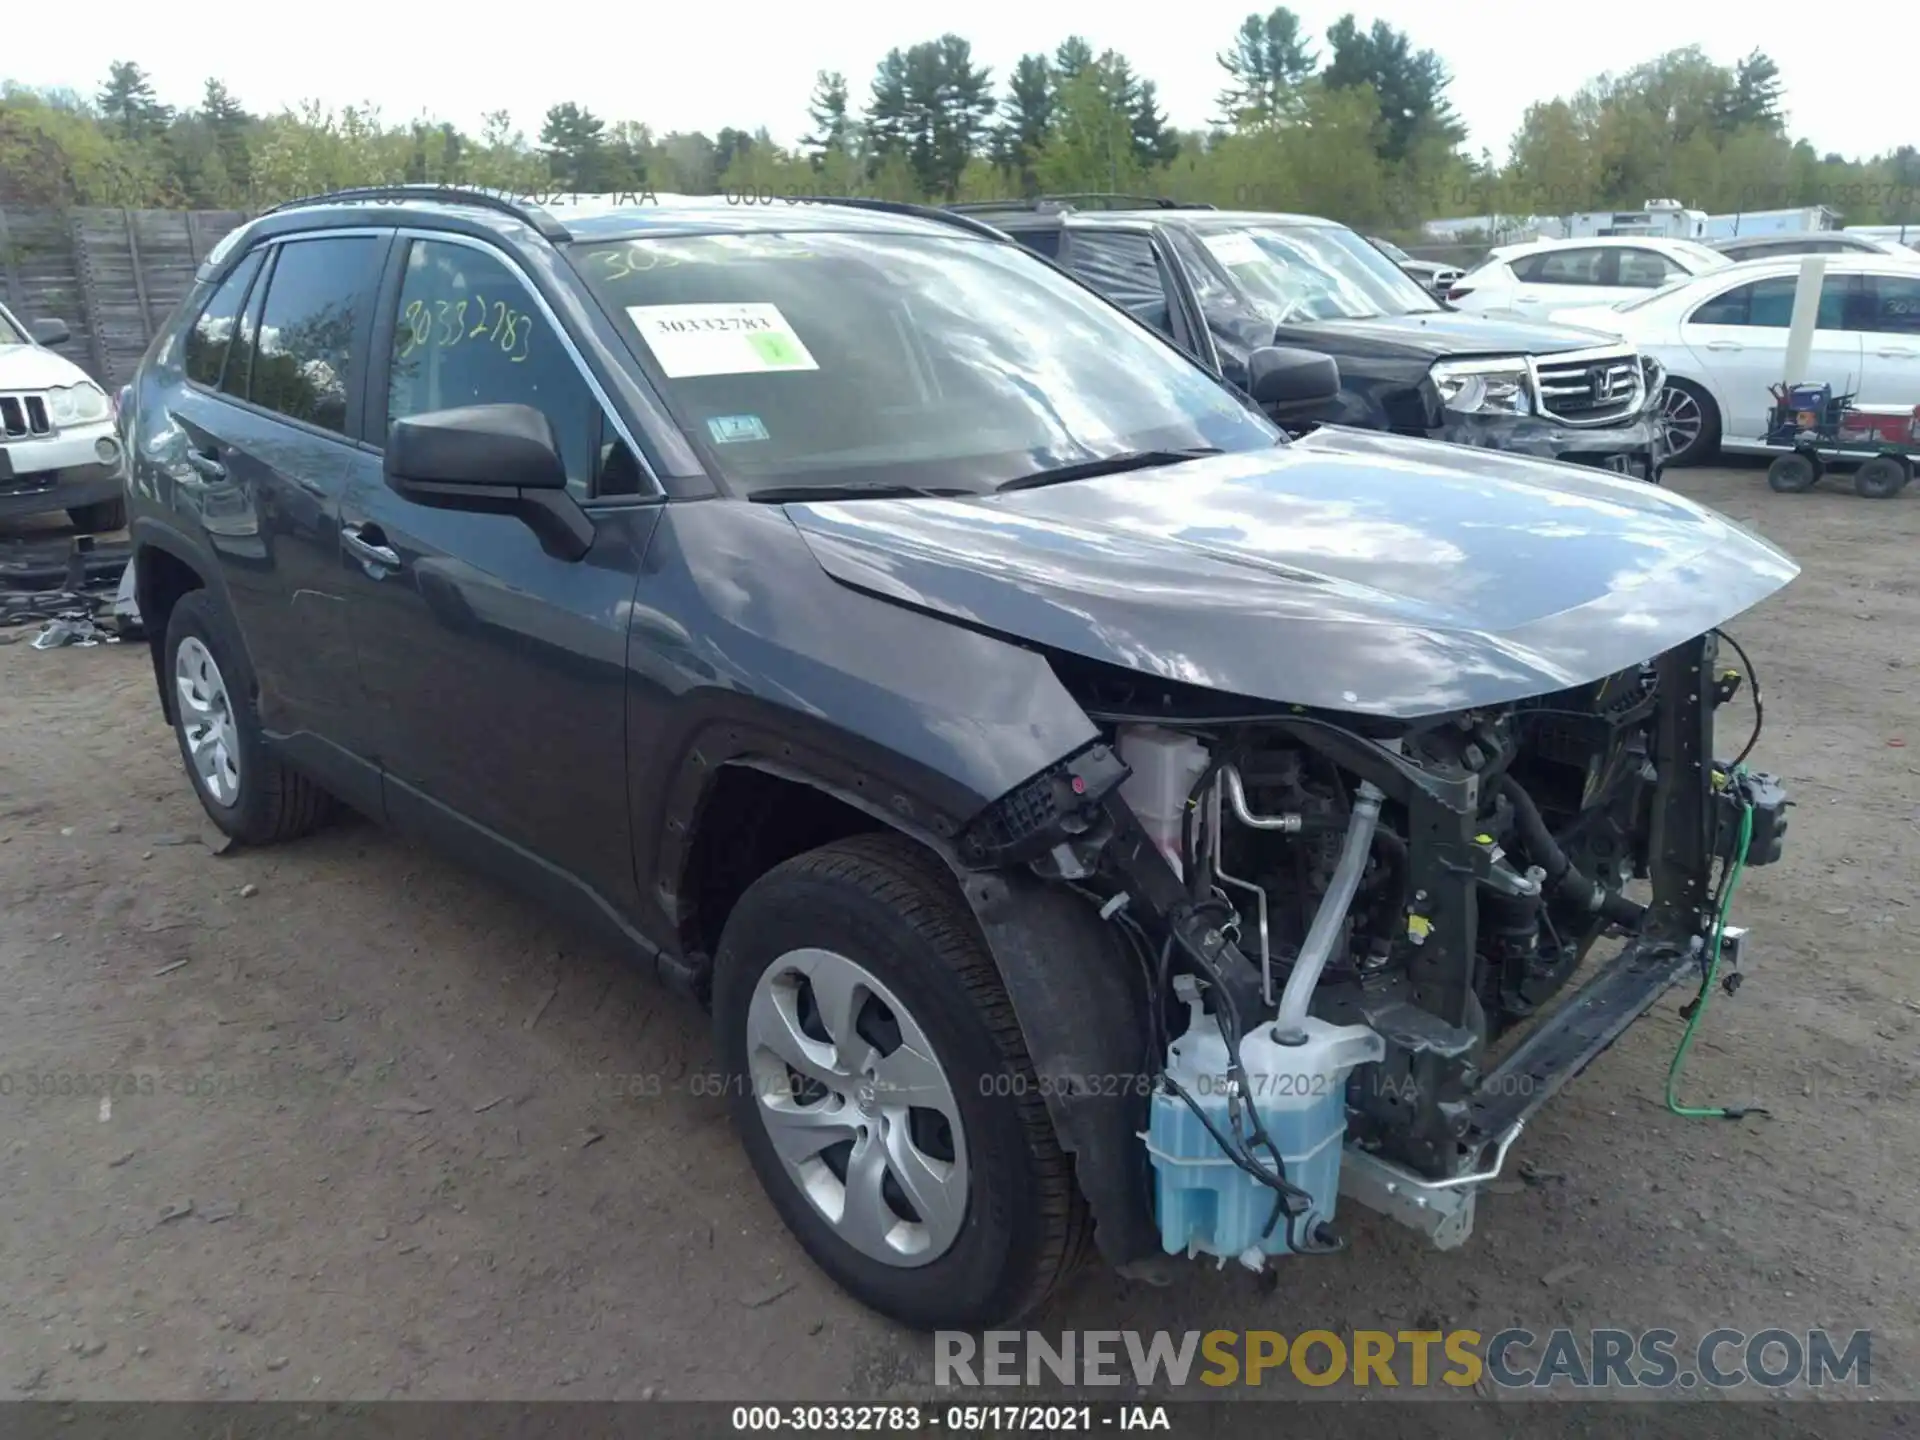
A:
x: 929, y: 667
x: 1222, y: 284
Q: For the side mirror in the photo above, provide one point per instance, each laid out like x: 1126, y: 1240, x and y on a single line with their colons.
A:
x: 50, y: 333
x: 490, y: 460
x: 1289, y: 380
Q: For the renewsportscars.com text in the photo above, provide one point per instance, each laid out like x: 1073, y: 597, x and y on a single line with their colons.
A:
x: 1515, y: 1359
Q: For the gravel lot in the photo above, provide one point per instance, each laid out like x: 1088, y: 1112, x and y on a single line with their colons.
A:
x: 391, y: 1147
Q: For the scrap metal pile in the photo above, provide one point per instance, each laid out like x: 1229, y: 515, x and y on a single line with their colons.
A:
x: 77, y: 589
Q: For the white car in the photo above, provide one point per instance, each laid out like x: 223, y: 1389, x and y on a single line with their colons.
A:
x: 1537, y: 278
x: 58, y: 447
x: 1742, y: 248
x: 1722, y: 338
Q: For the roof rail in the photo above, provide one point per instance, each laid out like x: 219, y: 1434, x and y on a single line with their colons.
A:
x: 1109, y: 200
x: 945, y: 215
x: 545, y: 224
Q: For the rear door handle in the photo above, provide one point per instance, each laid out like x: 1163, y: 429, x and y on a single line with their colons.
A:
x: 209, y: 467
x: 1897, y: 354
x: 368, y: 551
x: 1724, y: 345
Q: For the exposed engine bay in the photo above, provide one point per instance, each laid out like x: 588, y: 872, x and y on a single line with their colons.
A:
x: 1340, y: 923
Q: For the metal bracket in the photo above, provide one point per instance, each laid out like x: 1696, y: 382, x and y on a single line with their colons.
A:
x: 1444, y: 1216
x: 1733, y: 957
x: 1442, y: 1210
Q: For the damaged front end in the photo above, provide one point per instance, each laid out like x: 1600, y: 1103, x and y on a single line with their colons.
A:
x: 1600, y: 408
x: 1340, y: 939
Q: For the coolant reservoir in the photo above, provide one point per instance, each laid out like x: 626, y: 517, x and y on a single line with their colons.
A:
x: 1207, y: 1205
x: 1166, y: 766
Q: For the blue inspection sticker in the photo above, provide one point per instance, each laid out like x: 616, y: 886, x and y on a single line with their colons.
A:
x: 731, y: 429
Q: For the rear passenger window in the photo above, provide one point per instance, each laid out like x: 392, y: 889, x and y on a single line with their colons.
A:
x: 239, y: 372
x: 1646, y: 269
x: 212, y: 334
x: 304, y: 367
x: 1561, y: 267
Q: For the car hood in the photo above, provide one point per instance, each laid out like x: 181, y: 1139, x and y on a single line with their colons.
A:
x: 1350, y: 571
x: 1438, y: 335
x: 29, y: 367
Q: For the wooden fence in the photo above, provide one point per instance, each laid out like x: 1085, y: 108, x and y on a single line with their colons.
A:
x: 112, y: 275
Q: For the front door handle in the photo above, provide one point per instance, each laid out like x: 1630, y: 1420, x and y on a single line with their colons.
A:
x: 366, y: 550
x: 1897, y: 354
x: 208, y: 467
x: 1724, y: 345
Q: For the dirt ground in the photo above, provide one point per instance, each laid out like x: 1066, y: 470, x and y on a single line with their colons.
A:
x: 384, y: 1146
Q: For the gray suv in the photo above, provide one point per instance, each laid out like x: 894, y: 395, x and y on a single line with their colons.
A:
x: 1018, y: 743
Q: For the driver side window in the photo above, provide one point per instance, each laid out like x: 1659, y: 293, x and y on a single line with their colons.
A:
x: 1122, y: 266
x: 469, y: 333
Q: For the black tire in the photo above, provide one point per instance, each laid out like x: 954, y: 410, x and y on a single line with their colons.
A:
x: 895, y: 910
x: 274, y: 802
x: 1705, y: 445
x: 1793, y: 473
x: 1881, y: 478
x: 100, y: 518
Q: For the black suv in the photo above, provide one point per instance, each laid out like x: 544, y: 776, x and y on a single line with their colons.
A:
x: 1222, y: 284
x: 941, y: 676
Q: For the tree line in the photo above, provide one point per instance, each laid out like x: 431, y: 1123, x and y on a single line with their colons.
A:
x: 1355, y: 125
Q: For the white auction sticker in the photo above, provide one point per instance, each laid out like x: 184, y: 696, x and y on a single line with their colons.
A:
x: 693, y: 340
x: 1235, y: 248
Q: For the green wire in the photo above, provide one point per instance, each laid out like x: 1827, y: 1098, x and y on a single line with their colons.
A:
x: 1714, y: 1112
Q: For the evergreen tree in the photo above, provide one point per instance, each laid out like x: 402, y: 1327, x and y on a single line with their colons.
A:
x: 573, y: 141
x: 129, y: 105
x: 833, y: 124
x: 1268, y: 64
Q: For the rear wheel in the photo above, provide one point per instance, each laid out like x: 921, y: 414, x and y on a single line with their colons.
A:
x: 883, y: 1091
x: 1691, y: 423
x: 1792, y: 473
x: 1882, y: 477
x: 242, y: 785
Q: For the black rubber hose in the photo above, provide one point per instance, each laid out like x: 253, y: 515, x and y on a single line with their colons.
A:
x: 1562, y: 875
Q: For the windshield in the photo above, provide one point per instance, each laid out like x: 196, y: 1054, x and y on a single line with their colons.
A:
x: 862, y: 359
x: 1392, y: 251
x: 10, y: 331
x: 1315, y: 272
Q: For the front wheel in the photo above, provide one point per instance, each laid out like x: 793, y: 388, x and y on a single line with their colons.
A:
x: 883, y: 1092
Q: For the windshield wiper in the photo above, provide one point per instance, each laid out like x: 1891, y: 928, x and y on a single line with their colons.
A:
x: 1107, y: 465
x: 785, y: 494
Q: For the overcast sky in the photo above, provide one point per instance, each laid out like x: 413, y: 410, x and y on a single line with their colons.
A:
x: 750, y: 63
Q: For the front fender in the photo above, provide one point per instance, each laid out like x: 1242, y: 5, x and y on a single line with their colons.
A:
x: 742, y: 649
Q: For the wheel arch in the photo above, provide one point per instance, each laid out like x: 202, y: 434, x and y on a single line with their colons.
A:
x: 165, y: 567
x: 1078, y: 997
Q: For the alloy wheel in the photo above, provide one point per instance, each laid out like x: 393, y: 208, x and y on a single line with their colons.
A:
x: 858, y: 1108
x: 1681, y: 418
x: 206, y: 720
